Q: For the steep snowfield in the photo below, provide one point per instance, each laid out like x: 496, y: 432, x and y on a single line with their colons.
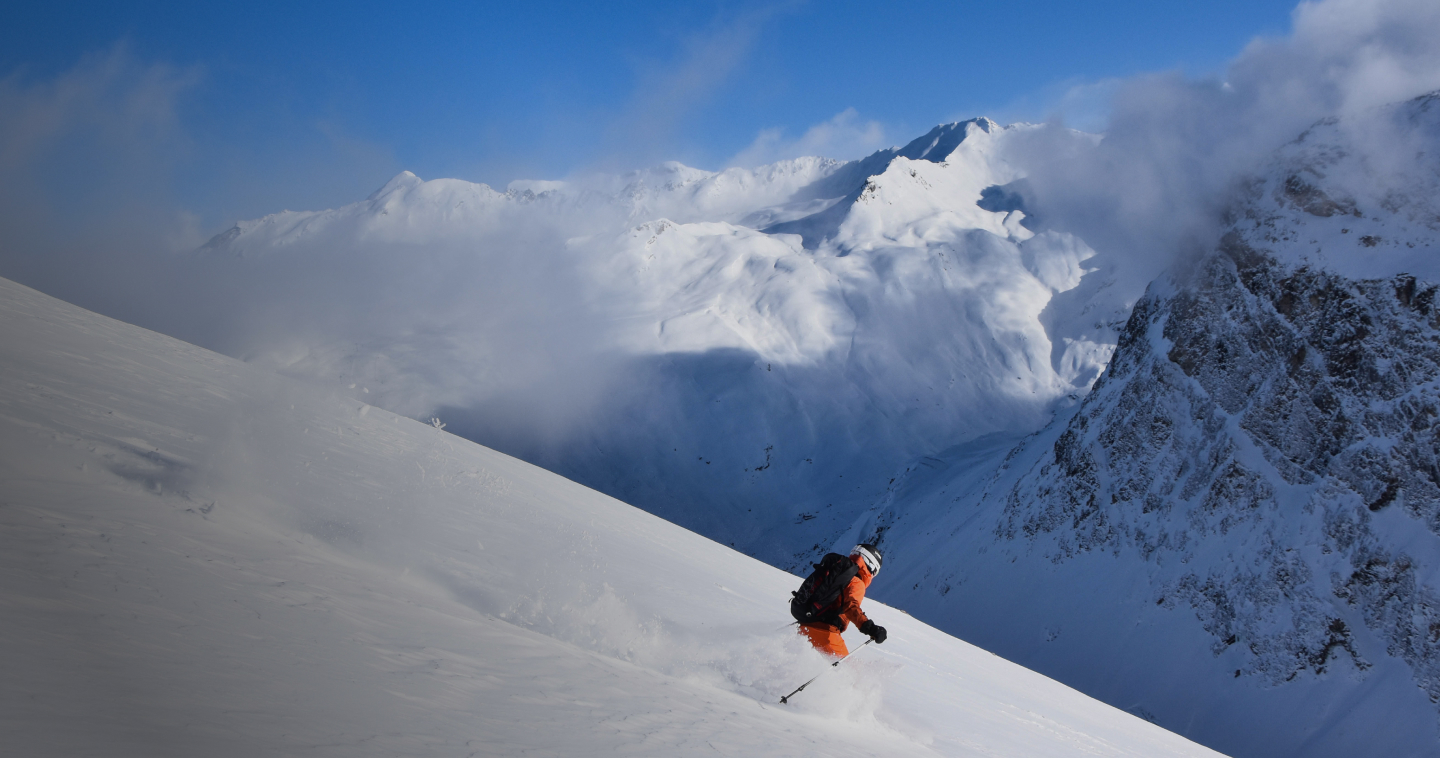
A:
x: 1237, y: 532
x: 752, y: 354
x: 198, y: 557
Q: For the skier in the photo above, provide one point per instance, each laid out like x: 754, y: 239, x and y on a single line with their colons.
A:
x: 824, y: 623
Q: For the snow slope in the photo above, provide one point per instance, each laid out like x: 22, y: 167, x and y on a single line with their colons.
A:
x: 202, y: 558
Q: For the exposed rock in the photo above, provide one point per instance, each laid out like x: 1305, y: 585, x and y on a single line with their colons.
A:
x: 1247, y: 396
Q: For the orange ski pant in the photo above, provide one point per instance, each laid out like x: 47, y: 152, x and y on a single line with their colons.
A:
x: 826, y: 639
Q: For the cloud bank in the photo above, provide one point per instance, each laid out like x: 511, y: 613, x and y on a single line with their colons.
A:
x: 88, y: 161
x: 1174, y: 147
x: 844, y: 136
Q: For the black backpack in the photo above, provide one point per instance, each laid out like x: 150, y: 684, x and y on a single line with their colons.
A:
x: 818, y: 599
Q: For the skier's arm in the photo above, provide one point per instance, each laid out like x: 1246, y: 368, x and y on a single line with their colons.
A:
x: 850, y: 602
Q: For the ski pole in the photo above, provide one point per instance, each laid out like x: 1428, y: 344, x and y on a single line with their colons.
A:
x: 817, y: 676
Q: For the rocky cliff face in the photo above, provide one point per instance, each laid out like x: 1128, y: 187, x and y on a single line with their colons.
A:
x: 1259, y: 417
x: 1267, y: 428
x: 1243, y: 515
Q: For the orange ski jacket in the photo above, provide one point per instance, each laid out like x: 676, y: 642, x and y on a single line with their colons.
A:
x: 851, y: 596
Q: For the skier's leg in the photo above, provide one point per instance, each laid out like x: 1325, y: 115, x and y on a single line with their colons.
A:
x: 826, y: 639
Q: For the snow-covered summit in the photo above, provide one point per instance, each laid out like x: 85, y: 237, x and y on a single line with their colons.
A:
x: 937, y: 145
x: 402, y: 181
x: 843, y: 186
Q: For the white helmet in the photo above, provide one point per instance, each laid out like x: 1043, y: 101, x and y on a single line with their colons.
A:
x: 870, y: 554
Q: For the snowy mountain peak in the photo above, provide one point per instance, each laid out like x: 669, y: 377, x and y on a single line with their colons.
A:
x: 402, y: 181
x: 938, y: 179
x: 938, y: 143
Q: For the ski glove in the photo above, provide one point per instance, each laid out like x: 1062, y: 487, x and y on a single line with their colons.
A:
x: 873, y: 631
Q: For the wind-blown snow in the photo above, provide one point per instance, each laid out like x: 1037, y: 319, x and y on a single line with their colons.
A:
x: 201, y: 558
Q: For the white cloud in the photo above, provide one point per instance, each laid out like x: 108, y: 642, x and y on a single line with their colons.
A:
x: 668, y: 92
x: 88, y: 202
x: 1077, y: 103
x: 1174, y: 145
x: 91, y: 144
x: 843, y: 136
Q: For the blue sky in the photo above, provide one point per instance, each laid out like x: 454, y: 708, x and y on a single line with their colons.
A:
x: 266, y: 106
